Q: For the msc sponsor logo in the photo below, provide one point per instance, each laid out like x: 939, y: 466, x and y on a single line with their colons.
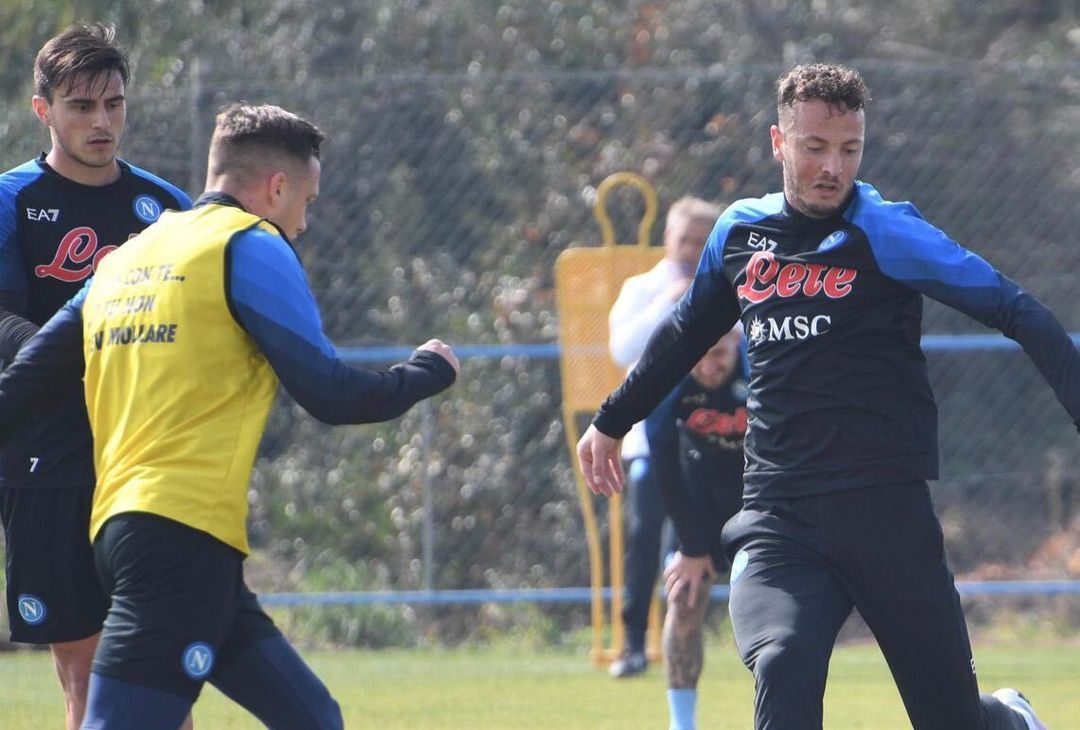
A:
x: 76, y: 258
x: 198, y: 660
x: 767, y: 278
x: 786, y: 329
x: 147, y: 208
x: 32, y: 609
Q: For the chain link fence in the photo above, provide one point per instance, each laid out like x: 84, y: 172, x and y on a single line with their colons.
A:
x: 445, y: 200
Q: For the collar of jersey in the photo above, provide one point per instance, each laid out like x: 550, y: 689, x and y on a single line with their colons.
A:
x: 216, y: 197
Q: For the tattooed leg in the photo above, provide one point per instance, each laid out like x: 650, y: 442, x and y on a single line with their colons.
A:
x: 683, y: 651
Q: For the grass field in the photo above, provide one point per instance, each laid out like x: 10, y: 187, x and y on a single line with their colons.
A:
x: 506, y: 687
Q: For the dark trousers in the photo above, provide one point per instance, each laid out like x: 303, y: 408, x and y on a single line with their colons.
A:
x: 799, y: 568
x: 641, y: 562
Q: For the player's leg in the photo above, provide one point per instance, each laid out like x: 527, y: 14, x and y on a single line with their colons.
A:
x: 259, y: 670
x: 641, y: 564
x: 684, y: 654
x: 786, y: 609
x: 72, y: 662
x: 905, y: 592
x: 53, y: 594
x: 174, y: 593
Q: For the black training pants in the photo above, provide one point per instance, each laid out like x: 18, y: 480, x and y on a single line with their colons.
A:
x: 801, y: 565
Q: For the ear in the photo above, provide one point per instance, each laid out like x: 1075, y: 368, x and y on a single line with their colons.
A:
x: 41, y: 108
x: 777, y: 138
x: 276, y: 186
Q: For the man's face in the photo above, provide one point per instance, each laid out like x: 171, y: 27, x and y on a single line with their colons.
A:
x: 296, y: 192
x: 86, y: 121
x: 717, y: 365
x: 820, y: 147
x: 684, y: 240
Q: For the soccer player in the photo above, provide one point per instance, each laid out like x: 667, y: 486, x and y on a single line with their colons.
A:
x: 696, y: 441
x: 187, y: 331
x: 59, y: 215
x: 644, y: 301
x: 828, y: 279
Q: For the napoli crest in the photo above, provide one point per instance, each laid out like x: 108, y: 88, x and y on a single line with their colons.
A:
x: 147, y: 208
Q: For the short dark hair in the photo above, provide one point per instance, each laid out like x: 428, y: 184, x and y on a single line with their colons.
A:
x: 834, y: 84
x: 245, y: 134
x: 84, y: 48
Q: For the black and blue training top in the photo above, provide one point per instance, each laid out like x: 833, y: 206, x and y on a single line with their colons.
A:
x: 53, y: 233
x: 832, y: 310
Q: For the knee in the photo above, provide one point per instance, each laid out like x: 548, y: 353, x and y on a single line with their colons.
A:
x: 783, y: 661
x: 683, y: 620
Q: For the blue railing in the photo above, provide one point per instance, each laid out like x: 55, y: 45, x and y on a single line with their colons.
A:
x: 551, y: 351
x: 584, y: 595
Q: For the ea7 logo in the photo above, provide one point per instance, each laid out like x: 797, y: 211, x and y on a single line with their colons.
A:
x: 43, y: 214
x: 760, y: 242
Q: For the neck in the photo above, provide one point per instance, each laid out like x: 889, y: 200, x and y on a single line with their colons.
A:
x: 84, y: 174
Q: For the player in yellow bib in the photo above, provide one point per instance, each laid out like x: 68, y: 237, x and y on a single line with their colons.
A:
x: 185, y: 333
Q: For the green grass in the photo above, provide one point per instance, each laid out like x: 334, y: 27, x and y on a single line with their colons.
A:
x: 508, y: 687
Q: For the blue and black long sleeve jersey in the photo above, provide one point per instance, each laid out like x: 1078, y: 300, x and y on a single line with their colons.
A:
x: 696, y: 439
x: 832, y: 310
x: 268, y: 294
x: 53, y: 233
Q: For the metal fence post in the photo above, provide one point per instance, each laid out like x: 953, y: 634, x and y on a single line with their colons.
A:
x: 428, y: 541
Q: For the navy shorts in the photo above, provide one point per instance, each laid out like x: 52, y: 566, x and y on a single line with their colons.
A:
x: 53, y: 592
x: 180, y: 607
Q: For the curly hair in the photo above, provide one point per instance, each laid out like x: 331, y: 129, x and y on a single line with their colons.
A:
x: 834, y: 84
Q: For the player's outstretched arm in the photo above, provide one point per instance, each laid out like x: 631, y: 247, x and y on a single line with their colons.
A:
x: 270, y: 298
x: 598, y: 457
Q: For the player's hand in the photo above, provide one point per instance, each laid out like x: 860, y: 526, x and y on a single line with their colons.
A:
x: 598, y: 457
x: 443, y: 350
x: 690, y: 575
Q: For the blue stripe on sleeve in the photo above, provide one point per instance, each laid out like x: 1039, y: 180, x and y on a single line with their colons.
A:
x: 272, y: 301
x: 910, y: 250
x: 748, y: 210
x: 182, y: 198
x: 12, y: 276
x: 915, y: 253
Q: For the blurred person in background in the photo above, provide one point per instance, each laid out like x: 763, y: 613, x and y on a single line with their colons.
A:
x: 828, y: 278
x: 696, y: 440
x: 60, y: 213
x: 184, y: 335
x: 645, y: 301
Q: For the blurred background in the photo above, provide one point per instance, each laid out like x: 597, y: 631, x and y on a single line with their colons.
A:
x: 465, y: 142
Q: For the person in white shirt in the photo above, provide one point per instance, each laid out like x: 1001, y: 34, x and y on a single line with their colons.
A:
x: 644, y: 302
